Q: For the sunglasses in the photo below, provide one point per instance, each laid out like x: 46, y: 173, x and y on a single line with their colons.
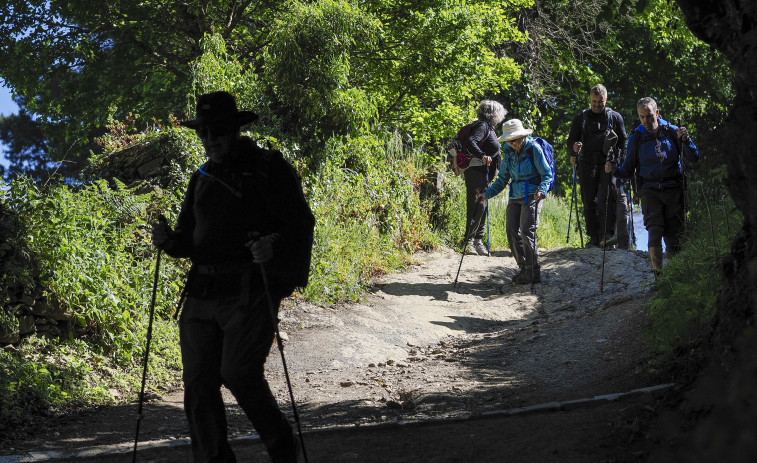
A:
x: 206, y: 131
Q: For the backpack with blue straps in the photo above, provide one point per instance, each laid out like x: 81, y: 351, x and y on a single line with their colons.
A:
x: 549, y: 155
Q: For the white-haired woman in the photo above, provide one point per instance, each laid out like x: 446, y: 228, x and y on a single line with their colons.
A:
x: 483, y: 146
x: 525, y: 168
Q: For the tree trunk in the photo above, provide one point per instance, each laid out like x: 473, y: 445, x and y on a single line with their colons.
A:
x: 721, y: 401
x: 730, y: 26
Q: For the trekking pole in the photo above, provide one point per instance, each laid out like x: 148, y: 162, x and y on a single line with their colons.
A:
x: 536, y: 247
x: 575, y: 191
x: 604, y: 235
x: 630, y: 203
x: 280, y: 343
x: 469, y: 231
x: 570, y: 209
x: 486, y: 207
x: 147, y: 348
x: 578, y: 222
x: 683, y: 175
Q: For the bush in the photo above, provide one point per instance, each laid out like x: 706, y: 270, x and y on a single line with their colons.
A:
x: 368, y: 216
x: 89, y: 245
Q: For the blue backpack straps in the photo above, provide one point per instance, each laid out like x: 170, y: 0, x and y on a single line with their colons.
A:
x: 549, y: 155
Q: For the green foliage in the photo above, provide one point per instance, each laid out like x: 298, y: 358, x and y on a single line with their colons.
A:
x: 368, y: 218
x: 309, y: 63
x: 89, y: 247
x: 172, y: 154
x: 41, y: 374
x: 335, y: 68
x: 73, y: 60
x: 217, y: 69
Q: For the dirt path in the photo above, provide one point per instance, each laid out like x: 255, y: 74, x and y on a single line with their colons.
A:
x: 418, y: 350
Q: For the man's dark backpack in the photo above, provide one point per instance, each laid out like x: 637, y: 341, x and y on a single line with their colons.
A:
x: 291, y: 270
x: 458, y: 158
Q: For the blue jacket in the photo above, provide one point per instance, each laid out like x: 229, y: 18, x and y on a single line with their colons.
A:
x: 641, y: 155
x: 525, y: 172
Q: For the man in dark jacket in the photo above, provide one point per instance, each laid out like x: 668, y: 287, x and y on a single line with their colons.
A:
x: 586, y: 146
x: 658, y: 151
x: 227, y: 325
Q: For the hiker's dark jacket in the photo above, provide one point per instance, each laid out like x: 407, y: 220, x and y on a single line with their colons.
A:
x: 225, y: 203
x: 482, y: 140
x: 589, y: 128
x: 657, y: 171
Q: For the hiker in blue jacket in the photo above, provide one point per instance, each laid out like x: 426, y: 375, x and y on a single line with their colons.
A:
x: 483, y: 146
x: 524, y: 167
x: 658, y: 150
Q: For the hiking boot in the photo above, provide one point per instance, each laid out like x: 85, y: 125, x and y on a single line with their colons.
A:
x: 609, y: 241
x: 520, y: 272
x: 470, y: 249
x: 592, y: 243
x: 655, y: 257
x: 480, y: 247
x: 528, y: 277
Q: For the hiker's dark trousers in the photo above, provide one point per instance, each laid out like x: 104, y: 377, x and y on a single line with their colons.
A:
x: 522, y: 222
x: 623, y: 217
x: 594, y: 181
x: 663, y: 216
x: 475, y: 179
x: 224, y: 341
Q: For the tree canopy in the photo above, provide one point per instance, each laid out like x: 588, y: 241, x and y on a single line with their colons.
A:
x: 318, y: 69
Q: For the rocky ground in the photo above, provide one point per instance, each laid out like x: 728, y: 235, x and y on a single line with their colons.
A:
x: 420, y: 370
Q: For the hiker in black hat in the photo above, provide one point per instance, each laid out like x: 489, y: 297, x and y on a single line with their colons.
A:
x: 230, y: 225
x: 588, y: 150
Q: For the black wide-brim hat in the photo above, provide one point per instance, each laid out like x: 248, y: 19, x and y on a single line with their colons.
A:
x: 219, y: 108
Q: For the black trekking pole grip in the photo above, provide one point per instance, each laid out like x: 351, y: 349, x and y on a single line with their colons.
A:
x: 147, y: 346
x: 275, y: 321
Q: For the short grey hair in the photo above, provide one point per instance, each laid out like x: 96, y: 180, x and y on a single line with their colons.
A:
x: 647, y: 102
x: 492, y: 111
x: 600, y: 90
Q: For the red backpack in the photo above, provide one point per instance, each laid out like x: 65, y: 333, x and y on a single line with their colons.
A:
x: 458, y: 158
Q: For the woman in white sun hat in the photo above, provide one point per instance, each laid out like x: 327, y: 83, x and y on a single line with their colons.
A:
x: 524, y: 167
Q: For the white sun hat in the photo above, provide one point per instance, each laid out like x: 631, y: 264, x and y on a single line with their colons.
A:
x: 513, y: 129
